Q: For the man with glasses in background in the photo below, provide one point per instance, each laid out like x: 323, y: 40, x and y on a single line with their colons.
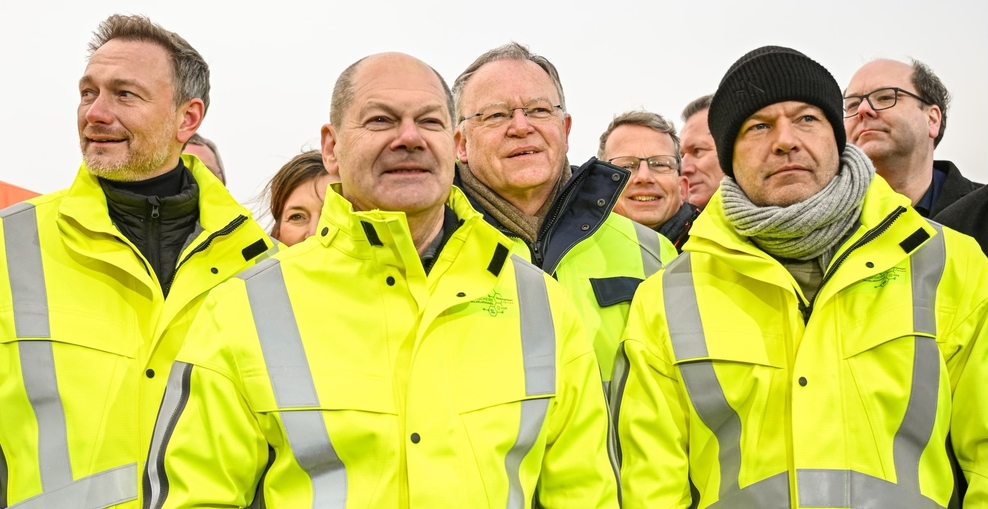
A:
x: 897, y: 114
x: 657, y: 194
x: 511, y: 142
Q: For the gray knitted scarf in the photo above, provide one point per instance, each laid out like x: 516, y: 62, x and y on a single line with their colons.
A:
x: 811, y: 228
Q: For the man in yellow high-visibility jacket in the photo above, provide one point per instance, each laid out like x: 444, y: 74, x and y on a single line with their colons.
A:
x: 399, y: 358
x: 819, y: 343
x: 99, y: 282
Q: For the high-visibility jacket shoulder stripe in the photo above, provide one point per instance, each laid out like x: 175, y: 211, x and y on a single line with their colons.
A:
x: 24, y: 268
x: 538, y: 342
x: 30, y: 301
x: 537, y: 333
x: 816, y: 488
x: 292, y: 383
x: 648, y: 242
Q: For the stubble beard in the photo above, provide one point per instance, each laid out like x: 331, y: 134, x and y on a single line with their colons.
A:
x: 139, y: 163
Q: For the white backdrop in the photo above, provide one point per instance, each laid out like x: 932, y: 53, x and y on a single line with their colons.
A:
x: 273, y: 64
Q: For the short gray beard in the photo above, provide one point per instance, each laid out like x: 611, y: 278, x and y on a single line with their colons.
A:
x: 138, y: 167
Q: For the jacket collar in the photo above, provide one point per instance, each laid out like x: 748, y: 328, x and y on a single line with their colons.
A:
x: 713, y: 235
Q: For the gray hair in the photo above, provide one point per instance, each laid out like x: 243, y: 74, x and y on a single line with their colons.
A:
x: 696, y: 106
x: 343, y: 94
x: 932, y: 90
x: 511, y: 51
x: 647, y: 119
x: 190, y: 73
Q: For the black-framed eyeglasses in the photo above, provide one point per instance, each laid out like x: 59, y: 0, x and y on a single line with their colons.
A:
x: 496, y: 116
x: 658, y: 165
x: 881, y: 99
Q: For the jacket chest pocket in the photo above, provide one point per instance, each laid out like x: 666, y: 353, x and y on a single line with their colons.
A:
x: 350, y: 423
x: 732, y: 372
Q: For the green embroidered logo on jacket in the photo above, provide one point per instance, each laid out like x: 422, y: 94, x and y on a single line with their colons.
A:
x: 886, y: 277
x: 494, y: 303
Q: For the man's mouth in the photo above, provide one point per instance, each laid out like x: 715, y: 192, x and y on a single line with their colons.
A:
x: 523, y: 152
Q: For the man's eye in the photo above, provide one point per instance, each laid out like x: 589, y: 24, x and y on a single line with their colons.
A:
x: 125, y: 93
x: 493, y: 115
x: 851, y: 104
x: 808, y: 118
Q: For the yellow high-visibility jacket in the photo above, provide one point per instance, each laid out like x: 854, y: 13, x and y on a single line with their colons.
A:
x: 87, y: 339
x: 721, y: 382
x: 599, y: 256
x: 338, y: 374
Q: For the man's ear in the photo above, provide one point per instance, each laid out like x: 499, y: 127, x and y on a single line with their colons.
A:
x: 189, y: 119
x: 567, y: 125
x: 330, y: 160
x: 460, y: 140
x: 934, y: 117
x: 684, y: 188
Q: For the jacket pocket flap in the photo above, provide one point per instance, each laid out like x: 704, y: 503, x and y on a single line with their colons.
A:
x: 486, y: 387
x: 734, y: 345
x: 861, y: 331
x: 614, y: 290
x: 338, y: 391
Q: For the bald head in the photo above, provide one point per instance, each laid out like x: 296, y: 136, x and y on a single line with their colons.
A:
x: 344, y: 90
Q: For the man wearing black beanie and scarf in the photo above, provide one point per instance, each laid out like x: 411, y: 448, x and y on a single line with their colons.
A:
x: 807, y: 348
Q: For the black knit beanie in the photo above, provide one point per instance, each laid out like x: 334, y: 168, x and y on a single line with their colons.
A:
x: 765, y: 76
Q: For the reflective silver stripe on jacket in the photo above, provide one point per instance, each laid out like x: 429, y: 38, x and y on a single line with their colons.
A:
x: 24, y: 268
x: 648, y: 242
x: 173, y: 403
x: 292, y: 383
x: 688, y: 341
x: 97, y: 491
x: 30, y: 303
x: 816, y: 488
x: 538, y: 344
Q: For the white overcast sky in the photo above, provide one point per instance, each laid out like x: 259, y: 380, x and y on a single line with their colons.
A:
x: 273, y: 64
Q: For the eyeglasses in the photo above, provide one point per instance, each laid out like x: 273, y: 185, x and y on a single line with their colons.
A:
x: 881, y: 99
x: 496, y: 116
x: 658, y: 165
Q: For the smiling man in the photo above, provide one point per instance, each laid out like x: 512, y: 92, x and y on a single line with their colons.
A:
x: 98, y: 282
x: 807, y: 347
x: 400, y: 358
x: 897, y: 114
x: 646, y: 144
x: 511, y: 141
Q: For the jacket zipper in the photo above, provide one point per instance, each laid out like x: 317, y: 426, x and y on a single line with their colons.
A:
x: 869, y: 236
x: 154, y: 241
x: 226, y: 230
x: 548, y: 226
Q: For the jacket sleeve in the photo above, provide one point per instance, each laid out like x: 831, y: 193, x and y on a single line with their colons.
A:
x: 207, y: 449
x: 577, y: 469
x: 966, y: 353
x: 649, y: 409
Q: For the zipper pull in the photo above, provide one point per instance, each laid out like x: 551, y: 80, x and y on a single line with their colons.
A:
x: 154, y: 206
x: 537, y: 252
